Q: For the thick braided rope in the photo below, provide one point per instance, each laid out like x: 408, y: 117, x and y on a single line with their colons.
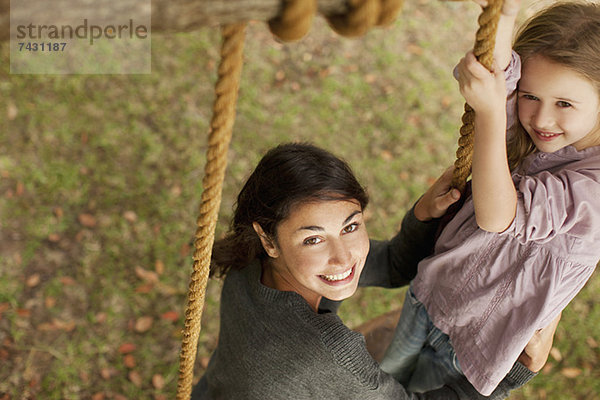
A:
x: 484, y: 51
x: 226, y: 91
x: 362, y: 15
x: 295, y: 19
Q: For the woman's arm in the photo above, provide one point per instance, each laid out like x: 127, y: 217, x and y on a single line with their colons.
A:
x: 393, y: 263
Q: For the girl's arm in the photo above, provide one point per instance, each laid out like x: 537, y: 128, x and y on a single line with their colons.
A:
x: 494, y: 194
x: 506, y: 23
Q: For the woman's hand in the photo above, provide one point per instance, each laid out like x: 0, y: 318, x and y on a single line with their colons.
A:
x: 537, y: 350
x: 437, y: 199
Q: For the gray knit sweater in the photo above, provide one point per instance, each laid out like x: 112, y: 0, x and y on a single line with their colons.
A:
x: 273, y: 346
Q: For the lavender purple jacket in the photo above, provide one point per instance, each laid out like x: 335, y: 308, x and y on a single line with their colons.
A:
x: 491, y: 291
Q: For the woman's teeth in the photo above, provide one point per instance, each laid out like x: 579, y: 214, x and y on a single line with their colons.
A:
x: 337, y: 277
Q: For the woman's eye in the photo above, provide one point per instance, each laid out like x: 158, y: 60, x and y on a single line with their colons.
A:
x: 311, y: 241
x: 563, y: 104
x: 351, y: 228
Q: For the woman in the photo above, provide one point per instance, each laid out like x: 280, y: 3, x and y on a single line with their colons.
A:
x: 297, y: 240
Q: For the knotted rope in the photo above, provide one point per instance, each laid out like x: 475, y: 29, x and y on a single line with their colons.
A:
x: 362, y: 15
x: 485, y: 40
x: 226, y: 90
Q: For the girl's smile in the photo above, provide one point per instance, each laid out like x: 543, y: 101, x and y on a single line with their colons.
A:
x: 558, y: 106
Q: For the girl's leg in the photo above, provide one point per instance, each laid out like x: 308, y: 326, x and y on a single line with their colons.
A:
x: 410, y: 335
x: 437, y: 364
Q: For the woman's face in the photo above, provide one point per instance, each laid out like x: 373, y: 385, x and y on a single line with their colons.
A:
x: 320, y: 250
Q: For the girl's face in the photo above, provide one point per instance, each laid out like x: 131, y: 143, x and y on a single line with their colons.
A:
x: 320, y: 250
x: 557, y: 106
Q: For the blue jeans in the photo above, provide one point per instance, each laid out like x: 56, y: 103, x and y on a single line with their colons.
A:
x: 420, y: 356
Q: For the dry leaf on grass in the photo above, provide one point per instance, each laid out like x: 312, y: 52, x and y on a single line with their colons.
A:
x: 570, y: 372
x: 87, y: 220
x: 127, y: 348
x: 143, y: 324
x: 158, y: 381
x: 135, y: 378
x: 129, y: 361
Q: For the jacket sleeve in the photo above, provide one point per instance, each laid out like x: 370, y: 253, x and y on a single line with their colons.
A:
x: 393, y: 263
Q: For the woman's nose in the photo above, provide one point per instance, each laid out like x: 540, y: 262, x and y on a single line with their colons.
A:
x: 340, y: 253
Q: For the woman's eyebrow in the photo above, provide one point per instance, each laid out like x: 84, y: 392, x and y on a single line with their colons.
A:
x: 351, y: 216
x: 320, y: 228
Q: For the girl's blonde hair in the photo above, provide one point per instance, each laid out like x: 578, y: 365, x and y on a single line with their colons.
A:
x: 568, y: 34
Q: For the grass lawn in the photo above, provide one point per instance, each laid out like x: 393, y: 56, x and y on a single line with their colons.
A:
x: 100, y: 180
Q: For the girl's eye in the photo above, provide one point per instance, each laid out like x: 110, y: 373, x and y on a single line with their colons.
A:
x: 529, y: 97
x: 311, y: 241
x: 351, y: 228
x: 563, y: 104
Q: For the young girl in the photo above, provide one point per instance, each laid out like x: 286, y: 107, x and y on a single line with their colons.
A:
x: 298, y: 236
x: 528, y: 239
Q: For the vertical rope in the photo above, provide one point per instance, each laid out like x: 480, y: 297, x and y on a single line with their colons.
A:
x: 226, y: 91
x: 484, y: 51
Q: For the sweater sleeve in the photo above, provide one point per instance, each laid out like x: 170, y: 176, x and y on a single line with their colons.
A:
x: 393, y: 263
x: 517, y: 377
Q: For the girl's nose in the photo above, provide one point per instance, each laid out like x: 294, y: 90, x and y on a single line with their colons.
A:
x: 542, y: 118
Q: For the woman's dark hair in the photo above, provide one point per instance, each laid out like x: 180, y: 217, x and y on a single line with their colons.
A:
x: 287, y: 175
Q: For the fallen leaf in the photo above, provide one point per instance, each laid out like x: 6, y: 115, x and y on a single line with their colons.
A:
x: 145, y: 275
x: 101, y: 317
x: 54, y: 237
x: 98, y: 396
x: 159, y: 267
x: 145, y: 288
x: 127, y: 348
x: 135, y: 378
x: 172, y: 316
x: 158, y: 381
x: 58, y: 212
x: 555, y: 353
x: 20, y: 189
x: 46, y: 327
x: 85, y: 377
x: 129, y: 361
x: 143, y: 324
x: 23, y: 312
x: 33, y: 280
x: 67, y: 326
x: 130, y: 216
x: 570, y: 372
x: 107, y: 373
x: 67, y: 280
x: 591, y: 342
x: 387, y: 155
x: 117, y: 396
x: 414, y: 49
x: 11, y: 111
x: 50, y: 302
x: 370, y: 78
x: 87, y: 220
